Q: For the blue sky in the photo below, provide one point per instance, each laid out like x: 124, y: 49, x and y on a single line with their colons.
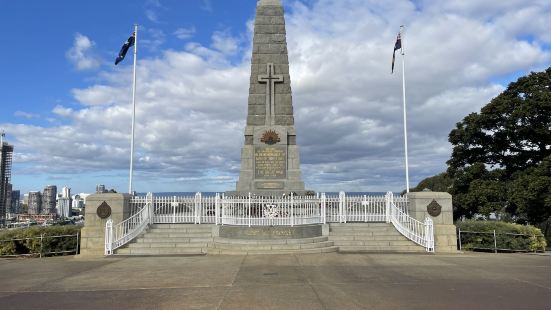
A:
x: 66, y: 107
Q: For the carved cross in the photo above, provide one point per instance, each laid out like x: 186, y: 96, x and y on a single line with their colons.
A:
x: 270, y: 79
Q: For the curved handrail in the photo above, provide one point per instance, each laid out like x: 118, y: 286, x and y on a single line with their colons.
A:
x: 416, y: 231
x: 120, y: 234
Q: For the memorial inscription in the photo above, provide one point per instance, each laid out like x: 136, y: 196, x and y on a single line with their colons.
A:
x: 270, y: 162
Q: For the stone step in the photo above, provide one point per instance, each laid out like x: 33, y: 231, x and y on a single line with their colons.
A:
x: 368, y: 238
x: 180, y: 230
x: 361, y: 229
x: 274, y: 247
x: 359, y: 225
x: 270, y: 242
x: 217, y: 251
x: 177, y: 235
x: 162, y: 251
x: 382, y: 249
x: 184, y: 226
x: 145, y: 239
x: 390, y: 243
x: 170, y: 245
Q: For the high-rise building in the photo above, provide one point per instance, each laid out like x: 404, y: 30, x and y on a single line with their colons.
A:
x: 64, y: 202
x: 6, y: 153
x: 49, y: 196
x: 100, y: 189
x: 66, y: 192
x: 34, y: 202
x: 15, y: 197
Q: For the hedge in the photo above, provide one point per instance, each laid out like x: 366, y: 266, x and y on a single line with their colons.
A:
x: 31, y: 245
x: 527, y: 238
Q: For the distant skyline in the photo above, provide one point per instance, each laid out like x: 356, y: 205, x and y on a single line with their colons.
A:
x: 66, y: 107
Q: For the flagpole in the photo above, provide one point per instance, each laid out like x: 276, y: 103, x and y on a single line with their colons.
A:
x: 133, y: 109
x: 405, y: 106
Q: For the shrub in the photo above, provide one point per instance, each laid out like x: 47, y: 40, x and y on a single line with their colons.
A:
x: 527, y: 238
x: 30, y: 242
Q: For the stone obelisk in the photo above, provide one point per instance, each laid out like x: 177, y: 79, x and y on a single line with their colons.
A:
x: 270, y: 159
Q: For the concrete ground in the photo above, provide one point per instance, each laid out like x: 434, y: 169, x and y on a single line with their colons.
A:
x: 325, y: 281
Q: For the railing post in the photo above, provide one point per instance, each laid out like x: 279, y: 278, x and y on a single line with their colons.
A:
x: 249, y: 204
x: 223, y: 209
x: 174, y: 205
x: 388, y: 202
x: 109, y: 237
x: 217, y: 209
x: 495, y: 242
x: 364, y: 202
x: 198, y: 208
x: 342, y: 207
x: 150, y: 211
x: 292, y: 216
x: 323, y: 208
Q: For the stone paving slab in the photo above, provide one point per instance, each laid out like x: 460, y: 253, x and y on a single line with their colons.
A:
x: 317, y: 281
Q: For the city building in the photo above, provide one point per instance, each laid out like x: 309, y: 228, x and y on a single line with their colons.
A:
x: 6, y: 153
x: 64, y: 207
x: 34, y: 202
x: 15, y: 201
x: 64, y: 202
x: 100, y: 189
x: 49, y: 196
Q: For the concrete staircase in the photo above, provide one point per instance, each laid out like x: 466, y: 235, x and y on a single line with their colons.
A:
x: 371, y: 238
x: 190, y: 239
x: 171, y: 239
x: 225, y: 246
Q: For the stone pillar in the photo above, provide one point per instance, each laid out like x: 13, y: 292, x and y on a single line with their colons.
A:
x: 445, y: 236
x: 93, y: 233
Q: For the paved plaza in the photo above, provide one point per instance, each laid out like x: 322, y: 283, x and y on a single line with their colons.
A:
x: 324, y: 281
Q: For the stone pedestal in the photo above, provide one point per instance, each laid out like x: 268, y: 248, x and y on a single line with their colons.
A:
x: 445, y: 235
x: 93, y: 233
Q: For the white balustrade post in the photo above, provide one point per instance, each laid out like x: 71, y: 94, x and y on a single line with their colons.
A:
x: 174, y: 205
x: 292, y: 216
x: 223, y: 206
x: 149, y: 204
x: 364, y: 202
x: 323, y: 208
x: 387, y: 209
x: 249, y: 204
x: 198, y: 208
x: 217, y: 209
x: 109, y: 237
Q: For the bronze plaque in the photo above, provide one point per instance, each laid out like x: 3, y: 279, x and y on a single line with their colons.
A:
x: 104, y: 210
x: 270, y: 185
x: 434, y: 208
x: 270, y: 162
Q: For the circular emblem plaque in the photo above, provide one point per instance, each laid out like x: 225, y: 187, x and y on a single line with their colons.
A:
x: 104, y: 210
x: 270, y: 137
x: 434, y: 208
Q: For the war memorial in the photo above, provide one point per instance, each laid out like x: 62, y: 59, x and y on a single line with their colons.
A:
x: 269, y: 211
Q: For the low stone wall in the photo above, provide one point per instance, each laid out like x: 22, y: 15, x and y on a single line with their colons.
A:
x: 445, y: 235
x: 93, y: 233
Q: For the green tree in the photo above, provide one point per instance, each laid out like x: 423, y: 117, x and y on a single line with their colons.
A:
x: 438, y: 183
x: 512, y: 132
x: 498, y: 154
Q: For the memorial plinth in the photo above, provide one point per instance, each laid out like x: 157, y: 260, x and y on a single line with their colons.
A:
x: 270, y: 162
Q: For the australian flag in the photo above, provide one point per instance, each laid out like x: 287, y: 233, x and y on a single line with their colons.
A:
x: 124, y: 49
x: 397, y: 46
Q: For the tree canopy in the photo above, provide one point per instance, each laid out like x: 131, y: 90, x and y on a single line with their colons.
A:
x: 501, y: 157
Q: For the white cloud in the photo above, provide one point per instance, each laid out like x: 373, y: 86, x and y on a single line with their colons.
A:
x: 152, y: 16
x: 26, y: 115
x: 81, y: 53
x: 192, y: 103
x: 184, y: 33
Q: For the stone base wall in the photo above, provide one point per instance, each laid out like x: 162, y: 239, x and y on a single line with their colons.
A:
x: 93, y: 234
x: 445, y: 235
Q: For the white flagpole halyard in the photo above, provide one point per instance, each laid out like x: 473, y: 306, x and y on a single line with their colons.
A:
x: 405, y: 106
x: 133, y: 109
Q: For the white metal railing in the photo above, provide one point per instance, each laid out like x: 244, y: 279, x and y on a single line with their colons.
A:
x: 120, y: 234
x: 254, y: 210
x: 421, y: 233
x: 268, y: 211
